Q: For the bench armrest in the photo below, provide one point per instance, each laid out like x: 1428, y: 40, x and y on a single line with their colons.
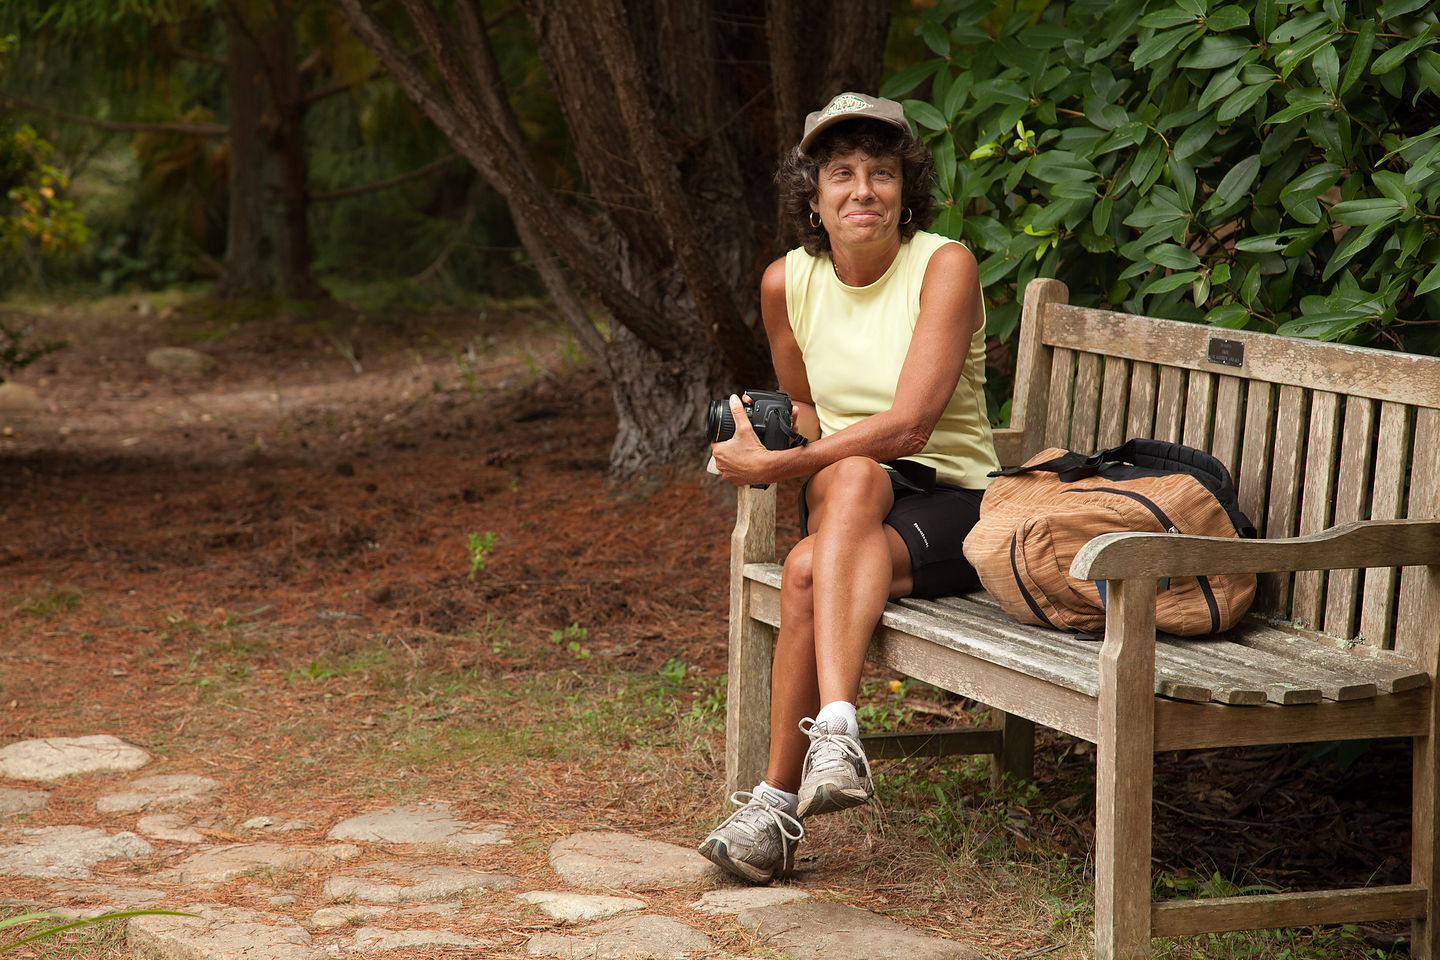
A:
x: 1361, y: 544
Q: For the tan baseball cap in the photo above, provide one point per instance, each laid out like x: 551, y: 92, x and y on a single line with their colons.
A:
x: 853, y: 106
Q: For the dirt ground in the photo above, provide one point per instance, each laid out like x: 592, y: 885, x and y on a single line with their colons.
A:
x: 179, y: 551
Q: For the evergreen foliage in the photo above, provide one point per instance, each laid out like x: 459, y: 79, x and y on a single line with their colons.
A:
x: 1267, y: 166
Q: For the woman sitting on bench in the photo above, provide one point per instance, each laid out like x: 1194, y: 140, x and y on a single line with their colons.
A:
x: 877, y: 333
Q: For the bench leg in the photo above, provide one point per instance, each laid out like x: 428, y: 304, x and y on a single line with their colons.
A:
x: 1016, y: 756
x: 1124, y: 765
x: 1424, y: 863
x: 747, y: 704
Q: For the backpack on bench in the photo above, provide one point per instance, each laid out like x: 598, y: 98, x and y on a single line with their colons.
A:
x: 1034, y: 519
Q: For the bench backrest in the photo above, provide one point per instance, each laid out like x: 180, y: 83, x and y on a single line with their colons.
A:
x: 1314, y: 433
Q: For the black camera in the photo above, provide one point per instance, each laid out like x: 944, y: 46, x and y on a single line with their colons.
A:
x: 768, y: 412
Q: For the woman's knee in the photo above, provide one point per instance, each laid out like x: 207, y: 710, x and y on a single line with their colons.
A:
x: 797, y: 580
x: 853, y: 486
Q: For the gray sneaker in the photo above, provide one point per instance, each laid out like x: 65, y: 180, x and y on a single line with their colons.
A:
x: 757, y: 843
x: 836, y: 774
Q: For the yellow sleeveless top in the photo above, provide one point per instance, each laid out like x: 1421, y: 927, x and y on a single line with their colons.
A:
x: 854, y: 340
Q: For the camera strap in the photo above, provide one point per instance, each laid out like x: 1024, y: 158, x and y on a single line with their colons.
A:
x: 917, y: 473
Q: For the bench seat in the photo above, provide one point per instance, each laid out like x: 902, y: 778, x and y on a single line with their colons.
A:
x: 1255, y: 663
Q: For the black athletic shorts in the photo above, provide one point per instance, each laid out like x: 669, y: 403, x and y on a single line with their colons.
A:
x: 933, y: 523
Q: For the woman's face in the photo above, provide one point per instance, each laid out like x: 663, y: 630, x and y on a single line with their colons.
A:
x: 858, y: 198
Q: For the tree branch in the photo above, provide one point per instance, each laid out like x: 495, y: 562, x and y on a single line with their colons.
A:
x: 119, y: 126
x: 475, y: 133
x: 415, y: 174
x: 661, y: 180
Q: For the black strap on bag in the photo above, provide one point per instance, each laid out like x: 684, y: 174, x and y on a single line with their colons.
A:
x: 1141, y: 456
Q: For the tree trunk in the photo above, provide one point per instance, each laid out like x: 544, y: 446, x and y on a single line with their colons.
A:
x: 248, y: 251
x: 672, y: 115
x: 268, y: 251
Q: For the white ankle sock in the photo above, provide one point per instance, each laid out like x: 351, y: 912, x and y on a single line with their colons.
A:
x: 839, y: 717
x: 776, y: 798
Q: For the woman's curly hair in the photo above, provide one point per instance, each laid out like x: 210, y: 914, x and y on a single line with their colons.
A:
x: 799, y: 173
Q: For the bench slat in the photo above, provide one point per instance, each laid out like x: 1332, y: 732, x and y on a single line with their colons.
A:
x: 1252, y: 480
x: 1059, y: 396
x: 1199, y: 410
x: 1168, y: 403
x: 1086, y: 412
x: 1377, y: 609
x: 1352, y: 501
x: 1229, y: 423
x: 1115, y: 395
x: 1317, y: 498
x: 1424, y: 502
x: 1140, y: 420
x: 1386, y: 671
x: 1282, y: 517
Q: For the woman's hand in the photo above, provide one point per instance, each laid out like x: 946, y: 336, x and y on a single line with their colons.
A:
x: 804, y: 420
x: 743, y: 459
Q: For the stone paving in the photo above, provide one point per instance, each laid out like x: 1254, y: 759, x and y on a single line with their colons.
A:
x: 396, y: 880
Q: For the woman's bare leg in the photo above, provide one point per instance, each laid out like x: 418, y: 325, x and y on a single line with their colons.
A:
x: 836, y: 583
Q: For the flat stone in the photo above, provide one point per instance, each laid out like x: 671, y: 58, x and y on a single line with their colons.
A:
x: 398, y: 882
x: 327, y: 918
x: 618, y: 861
x: 236, y: 859
x: 221, y: 933
x: 174, y: 827
x: 155, y: 791
x: 19, y: 398
x: 421, y: 823
x: 625, y: 938
x: 180, y: 360
x: 56, y: 757
x: 374, y: 938
x: 67, y: 852
x: 578, y: 906
x: 834, y: 931
x: 717, y: 902
x: 13, y: 800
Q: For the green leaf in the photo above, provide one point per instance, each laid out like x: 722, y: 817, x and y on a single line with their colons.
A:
x: 1269, y: 243
x: 1224, y: 83
x: 1164, y: 284
x: 1299, y: 27
x: 1398, y: 8
x: 1215, y: 51
x: 1359, y: 57
x: 1241, y: 101
x: 1232, y: 316
x: 1230, y: 17
x: 1235, y: 184
x: 925, y: 114
x: 955, y: 96
x: 1174, y: 256
x: 1366, y: 212
x: 936, y: 37
x: 1169, y: 17
x: 1300, y: 196
x: 1195, y: 137
x: 1396, y: 55
x: 1162, y: 44
x: 1182, y: 175
x: 1302, y: 103
x: 910, y: 78
x: 1430, y: 282
x: 1326, y: 63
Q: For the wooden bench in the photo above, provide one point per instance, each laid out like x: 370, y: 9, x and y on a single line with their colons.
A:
x: 1332, y: 448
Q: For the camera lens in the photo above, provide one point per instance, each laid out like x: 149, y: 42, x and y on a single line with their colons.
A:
x: 719, y: 421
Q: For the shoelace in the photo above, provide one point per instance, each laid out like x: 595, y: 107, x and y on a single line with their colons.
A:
x: 827, y: 748
x: 763, y: 814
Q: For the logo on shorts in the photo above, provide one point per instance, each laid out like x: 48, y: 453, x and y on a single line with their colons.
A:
x: 922, y: 534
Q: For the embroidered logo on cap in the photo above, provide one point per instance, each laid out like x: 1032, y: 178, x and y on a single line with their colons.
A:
x: 845, y: 103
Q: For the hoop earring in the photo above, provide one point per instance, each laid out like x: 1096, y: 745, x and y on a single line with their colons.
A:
x: 908, y: 217
x: 814, y: 219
